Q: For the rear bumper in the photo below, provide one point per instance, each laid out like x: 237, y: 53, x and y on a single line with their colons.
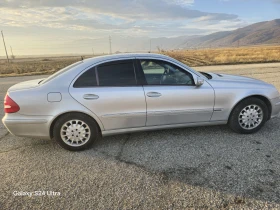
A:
x: 275, y: 104
x: 28, y: 126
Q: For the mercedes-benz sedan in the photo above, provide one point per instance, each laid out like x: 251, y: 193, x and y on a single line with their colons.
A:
x: 134, y: 92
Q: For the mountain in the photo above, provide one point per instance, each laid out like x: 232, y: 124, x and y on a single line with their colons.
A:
x: 256, y: 34
x: 267, y: 32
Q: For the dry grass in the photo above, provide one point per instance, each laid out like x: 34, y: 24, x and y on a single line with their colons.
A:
x: 205, y: 57
x: 36, y: 66
x: 202, y: 57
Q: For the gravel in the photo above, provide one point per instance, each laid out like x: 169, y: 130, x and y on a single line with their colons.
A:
x: 189, y: 168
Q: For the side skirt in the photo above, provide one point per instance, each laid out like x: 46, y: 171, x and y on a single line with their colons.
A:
x: 131, y: 130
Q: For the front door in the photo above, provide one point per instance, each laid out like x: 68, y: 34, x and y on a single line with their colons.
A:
x: 172, y: 96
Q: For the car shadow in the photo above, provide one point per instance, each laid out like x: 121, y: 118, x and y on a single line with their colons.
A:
x: 210, y: 157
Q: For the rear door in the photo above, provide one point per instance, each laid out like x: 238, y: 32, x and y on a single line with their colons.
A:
x: 111, y: 91
x: 172, y: 96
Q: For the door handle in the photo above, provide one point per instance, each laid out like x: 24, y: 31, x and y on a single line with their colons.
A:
x: 154, y: 94
x: 91, y: 97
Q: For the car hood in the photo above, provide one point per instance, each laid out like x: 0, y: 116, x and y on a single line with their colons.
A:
x: 235, y: 78
x: 25, y: 85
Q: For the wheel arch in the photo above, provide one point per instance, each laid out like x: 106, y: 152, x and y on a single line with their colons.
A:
x: 261, y: 97
x: 62, y: 114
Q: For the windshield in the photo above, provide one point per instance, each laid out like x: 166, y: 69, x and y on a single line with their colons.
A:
x: 60, y: 72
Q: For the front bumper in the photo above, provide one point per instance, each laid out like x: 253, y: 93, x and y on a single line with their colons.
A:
x: 28, y: 126
x: 275, y: 105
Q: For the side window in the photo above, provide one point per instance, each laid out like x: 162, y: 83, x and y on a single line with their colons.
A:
x: 87, y: 79
x: 163, y: 73
x: 120, y: 73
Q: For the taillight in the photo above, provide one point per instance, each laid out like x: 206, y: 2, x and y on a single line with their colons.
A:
x: 10, y: 106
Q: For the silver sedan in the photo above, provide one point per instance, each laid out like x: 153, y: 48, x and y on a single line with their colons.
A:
x: 134, y: 92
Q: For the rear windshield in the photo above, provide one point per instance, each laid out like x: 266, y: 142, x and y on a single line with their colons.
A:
x: 61, y: 72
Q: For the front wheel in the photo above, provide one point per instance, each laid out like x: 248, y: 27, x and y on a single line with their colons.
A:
x: 75, y: 131
x: 248, y: 116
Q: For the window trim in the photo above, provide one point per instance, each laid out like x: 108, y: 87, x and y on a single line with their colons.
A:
x: 96, y: 75
x: 172, y: 64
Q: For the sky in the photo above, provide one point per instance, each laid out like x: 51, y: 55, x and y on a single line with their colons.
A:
x: 34, y: 27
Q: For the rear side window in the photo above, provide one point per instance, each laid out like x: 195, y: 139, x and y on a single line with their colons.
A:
x: 121, y: 73
x: 87, y: 79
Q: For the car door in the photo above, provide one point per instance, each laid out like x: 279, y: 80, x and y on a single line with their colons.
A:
x: 172, y: 96
x: 111, y: 91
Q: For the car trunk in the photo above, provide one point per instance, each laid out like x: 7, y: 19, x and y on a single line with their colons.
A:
x: 25, y: 85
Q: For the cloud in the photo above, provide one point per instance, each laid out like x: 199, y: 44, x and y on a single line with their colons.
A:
x: 82, y: 19
x: 98, y: 18
x: 47, y: 24
x: 131, y: 9
x: 213, y: 26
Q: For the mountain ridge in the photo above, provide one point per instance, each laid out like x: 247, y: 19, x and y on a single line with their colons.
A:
x: 262, y: 33
x: 267, y: 32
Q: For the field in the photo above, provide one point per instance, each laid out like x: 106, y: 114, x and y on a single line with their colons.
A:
x: 201, y: 57
x: 35, y: 66
x: 225, y: 56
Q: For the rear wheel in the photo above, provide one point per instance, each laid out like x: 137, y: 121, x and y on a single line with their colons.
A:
x: 75, y: 131
x: 248, y: 116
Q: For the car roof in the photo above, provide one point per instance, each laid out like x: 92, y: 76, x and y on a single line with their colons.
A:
x: 123, y: 55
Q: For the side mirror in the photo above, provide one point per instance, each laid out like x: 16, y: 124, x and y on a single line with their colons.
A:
x: 199, y: 82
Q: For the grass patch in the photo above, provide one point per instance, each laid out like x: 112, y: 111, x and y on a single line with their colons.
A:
x: 34, y: 67
x: 201, y: 57
x: 225, y: 56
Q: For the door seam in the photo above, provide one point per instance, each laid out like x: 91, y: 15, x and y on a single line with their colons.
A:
x: 146, y: 105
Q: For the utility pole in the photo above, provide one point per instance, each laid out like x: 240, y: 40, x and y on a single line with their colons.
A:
x: 92, y: 52
x: 150, y: 45
x: 5, y: 46
x: 110, y: 42
x: 13, y: 57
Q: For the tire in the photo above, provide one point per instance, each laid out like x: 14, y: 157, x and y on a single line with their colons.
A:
x: 248, y: 116
x: 75, y: 131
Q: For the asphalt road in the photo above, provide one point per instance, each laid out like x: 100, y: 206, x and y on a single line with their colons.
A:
x: 198, y: 168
